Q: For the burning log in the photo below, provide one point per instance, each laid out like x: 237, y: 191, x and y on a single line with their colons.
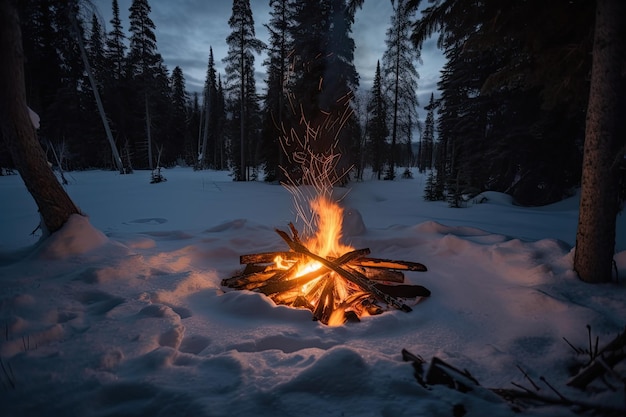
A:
x: 335, y: 289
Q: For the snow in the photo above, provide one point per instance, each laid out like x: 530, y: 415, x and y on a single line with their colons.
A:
x: 122, y: 312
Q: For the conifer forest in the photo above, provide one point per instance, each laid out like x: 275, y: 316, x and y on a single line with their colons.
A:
x: 510, y: 116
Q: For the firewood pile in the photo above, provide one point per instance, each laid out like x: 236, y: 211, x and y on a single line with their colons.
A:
x: 335, y: 289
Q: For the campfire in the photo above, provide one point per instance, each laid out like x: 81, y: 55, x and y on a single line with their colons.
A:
x: 337, y: 283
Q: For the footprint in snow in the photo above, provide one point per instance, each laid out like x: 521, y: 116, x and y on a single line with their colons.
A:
x: 99, y: 302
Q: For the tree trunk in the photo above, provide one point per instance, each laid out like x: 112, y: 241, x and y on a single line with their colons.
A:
x: 148, y: 132
x: 595, y: 237
x: 242, y: 97
x: 55, y: 206
x: 94, y: 87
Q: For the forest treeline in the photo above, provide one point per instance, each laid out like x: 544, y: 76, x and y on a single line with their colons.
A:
x: 511, y: 116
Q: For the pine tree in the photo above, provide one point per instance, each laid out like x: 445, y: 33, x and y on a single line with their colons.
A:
x: 150, y: 80
x: 428, y: 139
x: 240, y: 66
x: 116, y: 92
x: 275, y: 108
x: 221, y: 150
x: 92, y: 147
x: 195, y: 130
x: 377, y: 129
x: 179, y: 116
x: 143, y: 57
x: 115, y: 45
x: 210, y: 109
x: 399, y: 67
x: 95, y: 49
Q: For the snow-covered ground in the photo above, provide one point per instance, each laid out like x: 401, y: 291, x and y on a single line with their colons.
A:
x: 122, y: 314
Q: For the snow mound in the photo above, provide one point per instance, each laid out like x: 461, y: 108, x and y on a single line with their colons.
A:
x: 76, y: 237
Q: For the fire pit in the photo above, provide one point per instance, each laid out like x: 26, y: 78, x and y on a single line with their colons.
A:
x: 337, y: 283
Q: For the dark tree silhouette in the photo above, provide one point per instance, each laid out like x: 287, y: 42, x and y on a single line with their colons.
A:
x: 242, y: 42
x: 605, y: 147
x: 55, y: 206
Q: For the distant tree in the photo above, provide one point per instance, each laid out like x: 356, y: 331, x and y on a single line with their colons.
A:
x: 252, y: 122
x: 360, y: 102
x: 145, y: 68
x: 275, y: 105
x: 179, y: 115
x: 209, y: 149
x: 115, y: 44
x: 401, y: 79
x: 143, y: 56
x: 55, y: 206
x: 195, y: 123
x: 239, y: 65
x: 425, y: 158
x: 221, y: 150
x: 377, y: 129
x: 91, y: 149
x: 433, y: 191
x: 95, y: 48
x: 117, y: 87
x: 605, y: 147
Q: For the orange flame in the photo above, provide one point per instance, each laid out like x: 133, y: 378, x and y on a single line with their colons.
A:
x: 326, y: 243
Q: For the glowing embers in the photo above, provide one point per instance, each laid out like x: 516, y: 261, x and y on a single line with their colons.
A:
x: 335, y: 282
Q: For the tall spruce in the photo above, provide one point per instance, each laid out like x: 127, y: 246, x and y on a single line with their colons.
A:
x: 378, y: 130
x: 93, y: 147
x: 117, y: 87
x: 401, y: 81
x: 211, y: 138
x: 221, y: 150
x: 144, y: 66
x: 115, y: 44
x: 427, y: 143
x: 275, y: 105
x: 242, y: 43
x: 95, y: 48
x: 180, y: 117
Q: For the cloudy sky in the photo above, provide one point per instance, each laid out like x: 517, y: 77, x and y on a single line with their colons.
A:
x: 185, y: 29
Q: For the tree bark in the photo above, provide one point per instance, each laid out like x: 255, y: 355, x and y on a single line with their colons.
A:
x: 55, y: 206
x: 599, y: 204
